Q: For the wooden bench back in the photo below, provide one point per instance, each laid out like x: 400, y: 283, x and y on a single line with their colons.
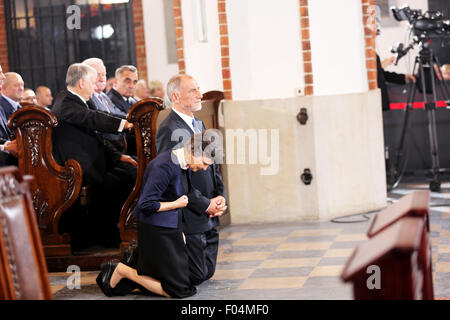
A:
x: 143, y: 115
x: 54, y: 188
x: 23, y: 271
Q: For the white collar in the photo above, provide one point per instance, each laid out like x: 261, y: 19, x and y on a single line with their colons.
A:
x: 186, y: 118
x: 179, y: 153
x: 76, y: 94
x: 12, y: 102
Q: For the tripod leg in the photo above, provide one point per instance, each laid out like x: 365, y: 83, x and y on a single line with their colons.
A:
x: 435, y: 184
x: 397, y: 172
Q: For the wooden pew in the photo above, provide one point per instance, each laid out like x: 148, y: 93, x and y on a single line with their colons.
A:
x: 54, y: 188
x: 396, y: 253
x: 23, y: 271
x: 144, y: 116
x: 399, y: 245
x: 415, y: 204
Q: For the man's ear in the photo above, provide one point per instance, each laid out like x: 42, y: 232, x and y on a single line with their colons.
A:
x: 175, y: 96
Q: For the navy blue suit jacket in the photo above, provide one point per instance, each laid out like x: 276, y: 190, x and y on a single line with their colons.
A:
x: 161, y: 183
x: 6, y: 106
x: 205, y: 184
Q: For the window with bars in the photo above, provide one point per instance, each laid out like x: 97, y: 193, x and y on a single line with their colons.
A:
x: 41, y: 46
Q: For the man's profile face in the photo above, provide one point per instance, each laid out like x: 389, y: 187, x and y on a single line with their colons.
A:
x: 14, y: 88
x: 190, y: 97
x: 126, y: 83
x: 44, y: 97
x: 89, y: 85
x: 2, y: 77
x: 101, y: 77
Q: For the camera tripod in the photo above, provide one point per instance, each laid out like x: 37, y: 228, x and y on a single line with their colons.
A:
x: 424, y: 59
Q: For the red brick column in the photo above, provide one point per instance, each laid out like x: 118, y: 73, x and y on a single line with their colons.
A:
x: 179, y: 35
x: 139, y: 37
x: 306, y: 48
x: 3, y: 40
x: 369, y: 36
x: 225, y: 49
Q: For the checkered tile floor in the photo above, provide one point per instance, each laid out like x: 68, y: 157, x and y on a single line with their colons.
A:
x: 283, y: 261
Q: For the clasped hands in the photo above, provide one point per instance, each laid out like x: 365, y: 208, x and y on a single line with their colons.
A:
x: 217, y: 207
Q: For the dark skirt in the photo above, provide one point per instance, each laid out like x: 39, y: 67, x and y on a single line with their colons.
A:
x: 162, y: 255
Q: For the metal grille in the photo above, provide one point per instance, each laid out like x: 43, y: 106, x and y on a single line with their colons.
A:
x: 41, y: 46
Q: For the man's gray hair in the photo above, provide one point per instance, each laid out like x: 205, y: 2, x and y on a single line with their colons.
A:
x: 174, y: 84
x: 122, y: 69
x: 76, y: 72
x: 93, y: 62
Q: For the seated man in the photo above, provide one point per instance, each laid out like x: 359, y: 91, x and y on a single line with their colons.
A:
x: 29, y: 97
x: 44, y: 97
x: 126, y: 169
x: 121, y: 94
x: 12, y: 92
x: 8, y: 149
x: 76, y: 138
x: 141, y: 91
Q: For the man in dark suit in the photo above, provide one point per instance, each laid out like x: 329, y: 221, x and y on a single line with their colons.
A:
x: 201, y: 216
x: 121, y: 95
x: 8, y: 149
x: 12, y: 92
x: 76, y: 137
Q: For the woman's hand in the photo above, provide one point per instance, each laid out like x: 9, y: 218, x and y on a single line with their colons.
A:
x: 181, y: 202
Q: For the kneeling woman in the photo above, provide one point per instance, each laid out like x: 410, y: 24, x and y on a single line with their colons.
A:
x: 162, y: 263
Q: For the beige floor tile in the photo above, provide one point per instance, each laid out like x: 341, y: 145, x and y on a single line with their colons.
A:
x: 237, y: 274
x: 339, y: 253
x: 445, y: 233
x: 304, y: 246
x: 315, y: 233
x: 435, y: 227
x: 273, y: 283
x: 289, y: 263
x: 326, y: 271
x: 55, y: 289
x: 444, y: 248
x: 243, y: 256
x: 351, y: 237
x: 446, y: 215
x: 258, y: 241
x: 231, y: 235
x: 443, y: 267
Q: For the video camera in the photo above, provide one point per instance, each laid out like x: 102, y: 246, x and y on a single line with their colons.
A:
x: 427, y: 26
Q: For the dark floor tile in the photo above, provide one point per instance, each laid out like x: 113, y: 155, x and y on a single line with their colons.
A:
x: 227, y: 265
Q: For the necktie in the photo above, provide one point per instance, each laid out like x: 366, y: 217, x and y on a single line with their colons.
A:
x: 194, y: 125
x: 104, y: 102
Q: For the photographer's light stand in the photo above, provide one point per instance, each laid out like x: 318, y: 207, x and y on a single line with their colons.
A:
x: 425, y: 58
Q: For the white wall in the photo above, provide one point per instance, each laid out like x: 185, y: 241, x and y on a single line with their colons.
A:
x: 203, y: 59
x: 265, y: 48
x: 399, y: 32
x: 338, y: 47
x: 156, y: 43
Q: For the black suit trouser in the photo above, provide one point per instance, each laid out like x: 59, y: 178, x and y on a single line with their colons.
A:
x: 202, y: 252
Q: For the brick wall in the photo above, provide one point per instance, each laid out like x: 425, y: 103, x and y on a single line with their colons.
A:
x: 369, y: 36
x: 139, y: 37
x: 225, y: 49
x: 179, y: 35
x: 3, y: 42
x: 306, y: 48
